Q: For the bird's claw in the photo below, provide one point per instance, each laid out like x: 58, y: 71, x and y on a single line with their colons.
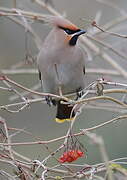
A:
x: 79, y: 93
x: 50, y: 101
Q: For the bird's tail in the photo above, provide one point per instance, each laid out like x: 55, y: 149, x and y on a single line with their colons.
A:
x: 64, y: 113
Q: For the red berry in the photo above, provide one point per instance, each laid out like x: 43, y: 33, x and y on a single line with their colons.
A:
x: 70, y: 156
x: 80, y: 153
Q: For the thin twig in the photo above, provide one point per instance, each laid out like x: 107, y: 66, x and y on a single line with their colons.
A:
x: 35, y: 71
x: 124, y: 117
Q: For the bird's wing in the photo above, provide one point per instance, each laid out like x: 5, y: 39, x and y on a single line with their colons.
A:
x: 40, y: 78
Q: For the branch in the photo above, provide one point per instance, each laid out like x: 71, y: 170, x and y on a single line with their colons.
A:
x: 35, y: 71
x: 63, y: 137
x: 110, y: 33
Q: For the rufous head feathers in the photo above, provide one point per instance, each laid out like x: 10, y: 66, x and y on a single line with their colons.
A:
x: 60, y: 21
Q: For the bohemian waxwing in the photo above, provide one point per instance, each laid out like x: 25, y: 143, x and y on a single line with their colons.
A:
x: 61, y: 64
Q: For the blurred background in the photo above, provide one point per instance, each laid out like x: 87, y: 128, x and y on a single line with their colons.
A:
x: 39, y: 118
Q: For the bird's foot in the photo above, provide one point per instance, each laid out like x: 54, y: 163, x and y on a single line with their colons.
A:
x: 50, y: 101
x: 79, y: 93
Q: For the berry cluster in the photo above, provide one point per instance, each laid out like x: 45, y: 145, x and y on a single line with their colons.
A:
x: 71, y: 155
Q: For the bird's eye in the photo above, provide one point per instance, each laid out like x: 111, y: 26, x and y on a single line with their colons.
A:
x: 69, y: 31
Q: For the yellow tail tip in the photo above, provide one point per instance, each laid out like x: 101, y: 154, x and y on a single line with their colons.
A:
x: 63, y: 120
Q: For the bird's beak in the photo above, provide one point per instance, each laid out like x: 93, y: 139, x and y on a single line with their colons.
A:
x: 80, y: 32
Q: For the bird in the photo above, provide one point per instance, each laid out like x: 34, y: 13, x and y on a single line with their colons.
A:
x: 61, y: 64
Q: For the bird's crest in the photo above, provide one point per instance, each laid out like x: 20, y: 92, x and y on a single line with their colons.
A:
x: 60, y: 21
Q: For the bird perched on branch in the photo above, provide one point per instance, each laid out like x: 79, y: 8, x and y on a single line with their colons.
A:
x: 61, y: 64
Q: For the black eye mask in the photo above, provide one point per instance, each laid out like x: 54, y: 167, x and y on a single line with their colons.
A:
x: 69, y: 31
x: 76, y: 33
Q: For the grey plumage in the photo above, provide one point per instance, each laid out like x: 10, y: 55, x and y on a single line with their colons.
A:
x: 61, y: 64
